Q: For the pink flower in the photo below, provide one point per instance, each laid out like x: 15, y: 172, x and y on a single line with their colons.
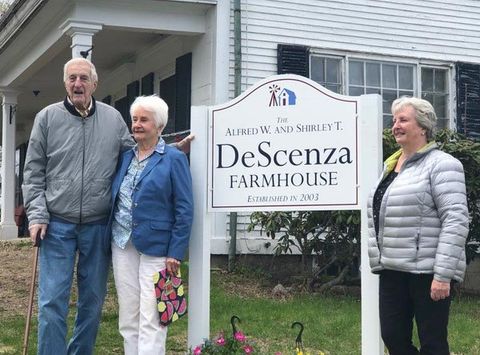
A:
x: 239, y: 336
x: 197, y: 350
x: 220, y: 341
x: 278, y: 353
x: 248, y: 349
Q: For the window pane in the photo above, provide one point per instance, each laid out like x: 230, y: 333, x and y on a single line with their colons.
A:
x: 388, y: 97
x: 356, y: 73
x: 387, y: 121
x: 435, y: 91
x: 440, y: 80
x: 427, y: 79
x: 389, y: 76
x: 327, y: 72
x: 333, y: 70
x: 440, y: 106
x: 355, y: 91
x: 318, y: 69
x: 405, y: 93
x: 334, y: 87
x: 405, y: 77
x: 373, y: 91
x: 373, y: 74
x: 442, y: 123
x: 427, y: 96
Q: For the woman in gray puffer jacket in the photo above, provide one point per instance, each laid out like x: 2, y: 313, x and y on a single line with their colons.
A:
x: 418, y: 224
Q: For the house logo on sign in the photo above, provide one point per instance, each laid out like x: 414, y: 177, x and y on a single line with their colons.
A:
x: 281, y: 97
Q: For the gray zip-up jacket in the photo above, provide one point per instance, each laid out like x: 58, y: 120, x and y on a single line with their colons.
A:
x: 71, y: 161
x: 423, y: 219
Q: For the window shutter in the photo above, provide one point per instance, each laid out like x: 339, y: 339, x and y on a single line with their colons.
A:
x: 293, y: 60
x: 122, y: 106
x: 167, y: 93
x: 133, y: 90
x: 147, y: 84
x: 107, y: 100
x: 468, y: 99
x: 183, y: 91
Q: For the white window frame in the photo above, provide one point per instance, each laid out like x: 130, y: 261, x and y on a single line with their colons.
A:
x: 418, y: 63
x: 342, y: 67
x: 450, y: 88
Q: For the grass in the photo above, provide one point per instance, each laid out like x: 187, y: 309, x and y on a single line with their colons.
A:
x: 332, y: 323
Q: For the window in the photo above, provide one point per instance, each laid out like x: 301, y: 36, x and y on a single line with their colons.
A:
x: 389, y: 79
x: 327, y: 71
x: 435, y: 90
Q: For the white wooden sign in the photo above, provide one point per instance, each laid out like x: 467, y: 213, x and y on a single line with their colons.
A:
x: 285, y: 144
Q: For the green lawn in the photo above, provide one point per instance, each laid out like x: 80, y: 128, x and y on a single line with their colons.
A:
x: 332, y: 323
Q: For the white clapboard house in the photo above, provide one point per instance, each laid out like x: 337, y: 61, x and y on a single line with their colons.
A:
x: 203, y: 52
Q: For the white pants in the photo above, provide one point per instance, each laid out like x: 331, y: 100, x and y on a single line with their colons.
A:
x: 139, y: 322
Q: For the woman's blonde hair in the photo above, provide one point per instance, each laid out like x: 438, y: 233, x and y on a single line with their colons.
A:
x: 424, y: 113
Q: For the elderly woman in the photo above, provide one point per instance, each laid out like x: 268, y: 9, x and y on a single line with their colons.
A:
x: 151, y: 222
x: 418, y: 224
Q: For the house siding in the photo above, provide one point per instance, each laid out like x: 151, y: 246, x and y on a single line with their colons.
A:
x: 438, y: 30
x: 428, y: 31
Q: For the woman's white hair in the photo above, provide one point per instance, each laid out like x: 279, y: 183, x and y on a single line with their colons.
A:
x: 424, y: 113
x: 152, y: 104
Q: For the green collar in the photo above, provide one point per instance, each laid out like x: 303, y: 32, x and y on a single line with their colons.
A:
x: 393, y: 159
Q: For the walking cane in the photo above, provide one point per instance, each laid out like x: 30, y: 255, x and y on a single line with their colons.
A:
x: 36, y: 246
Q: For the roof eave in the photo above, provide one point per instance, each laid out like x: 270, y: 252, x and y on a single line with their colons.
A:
x: 22, y: 11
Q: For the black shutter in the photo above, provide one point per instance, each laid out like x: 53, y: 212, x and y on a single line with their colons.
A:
x: 468, y: 99
x: 122, y: 106
x: 183, y: 91
x: 293, y: 60
x: 133, y: 90
x: 147, y: 84
x: 167, y: 93
x: 107, y: 100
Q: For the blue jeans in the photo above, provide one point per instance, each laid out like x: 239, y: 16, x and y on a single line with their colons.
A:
x: 58, y: 252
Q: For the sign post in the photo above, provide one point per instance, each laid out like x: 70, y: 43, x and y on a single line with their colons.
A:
x: 285, y: 144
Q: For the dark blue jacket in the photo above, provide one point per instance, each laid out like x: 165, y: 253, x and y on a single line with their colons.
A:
x: 162, y: 203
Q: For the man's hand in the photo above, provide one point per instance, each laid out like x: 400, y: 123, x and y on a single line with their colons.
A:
x: 173, y: 265
x: 34, y: 228
x: 439, y: 290
x: 184, y: 144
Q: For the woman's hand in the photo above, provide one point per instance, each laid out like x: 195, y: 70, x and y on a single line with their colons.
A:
x: 173, y: 265
x: 439, y: 290
x: 184, y: 144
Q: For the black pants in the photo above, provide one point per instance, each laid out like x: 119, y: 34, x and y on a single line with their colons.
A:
x: 404, y: 296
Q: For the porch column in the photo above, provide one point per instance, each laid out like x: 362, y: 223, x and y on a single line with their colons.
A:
x: 81, y: 34
x: 8, y: 228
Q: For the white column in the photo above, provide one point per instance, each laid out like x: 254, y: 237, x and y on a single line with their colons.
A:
x: 199, y: 250
x: 221, y: 61
x: 81, y: 34
x: 370, y: 117
x: 8, y: 228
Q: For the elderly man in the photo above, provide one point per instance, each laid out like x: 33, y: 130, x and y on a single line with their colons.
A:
x: 71, y: 158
